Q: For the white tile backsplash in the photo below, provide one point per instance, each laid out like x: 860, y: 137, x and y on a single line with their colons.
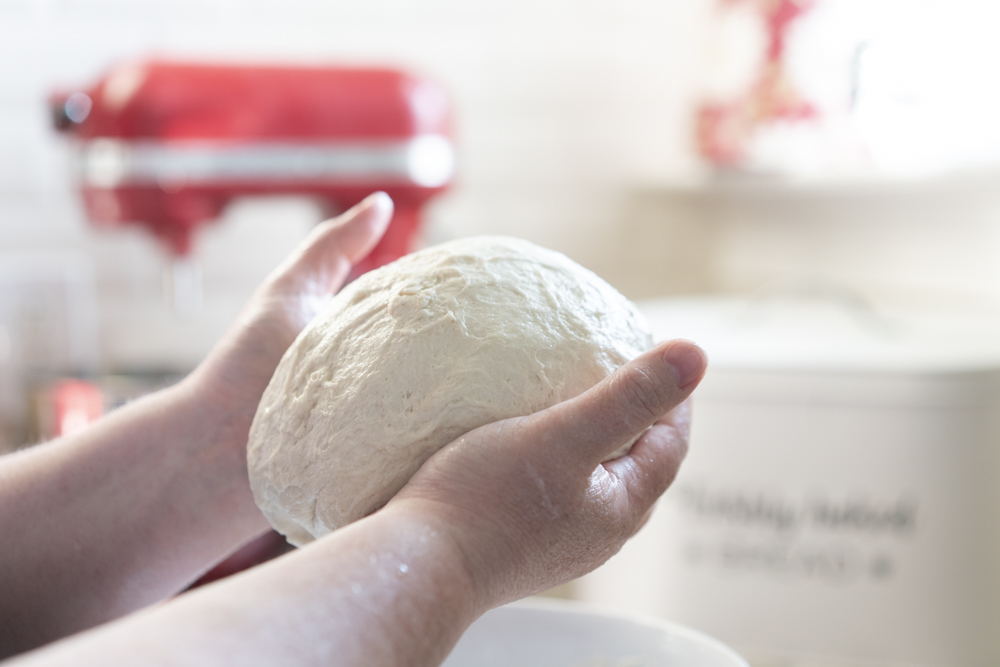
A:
x: 561, y: 106
x: 570, y: 117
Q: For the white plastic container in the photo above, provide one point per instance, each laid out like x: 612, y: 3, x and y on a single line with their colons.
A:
x: 839, y: 504
x: 558, y: 633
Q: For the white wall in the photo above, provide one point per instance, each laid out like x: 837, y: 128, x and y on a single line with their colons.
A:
x: 572, y: 116
x: 562, y: 107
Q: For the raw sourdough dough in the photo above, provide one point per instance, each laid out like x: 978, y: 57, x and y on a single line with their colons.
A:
x: 414, y: 354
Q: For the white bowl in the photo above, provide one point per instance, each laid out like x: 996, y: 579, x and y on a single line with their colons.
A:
x: 557, y: 633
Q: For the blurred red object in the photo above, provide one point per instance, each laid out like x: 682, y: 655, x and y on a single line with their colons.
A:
x: 77, y: 405
x: 723, y: 128
x: 168, y: 145
x: 261, y: 549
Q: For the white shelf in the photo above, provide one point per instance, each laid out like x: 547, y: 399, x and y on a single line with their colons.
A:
x: 748, y: 186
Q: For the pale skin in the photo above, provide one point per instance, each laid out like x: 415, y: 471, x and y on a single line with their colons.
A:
x: 127, y: 513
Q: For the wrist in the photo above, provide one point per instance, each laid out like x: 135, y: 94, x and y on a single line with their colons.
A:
x: 455, y: 549
x: 424, y: 529
x: 214, y: 438
x: 395, y: 582
x: 232, y: 378
x: 224, y: 402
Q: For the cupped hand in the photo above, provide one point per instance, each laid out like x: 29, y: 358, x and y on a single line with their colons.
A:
x: 237, y: 371
x: 530, y: 502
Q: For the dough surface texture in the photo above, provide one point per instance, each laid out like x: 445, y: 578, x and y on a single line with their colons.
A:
x: 412, y: 355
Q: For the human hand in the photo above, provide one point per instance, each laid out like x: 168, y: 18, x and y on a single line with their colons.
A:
x: 137, y: 505
x: 235, y: 374
x: 528, y: 502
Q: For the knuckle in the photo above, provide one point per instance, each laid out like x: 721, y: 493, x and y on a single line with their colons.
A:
x: 644, y: 395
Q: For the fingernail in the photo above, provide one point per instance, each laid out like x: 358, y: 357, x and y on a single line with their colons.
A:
x: 685, y: 361
x: 376, y: 199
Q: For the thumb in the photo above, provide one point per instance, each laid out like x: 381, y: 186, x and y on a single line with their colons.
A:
x: 351, y: 235
x: 334, y: 246
x: 617, y: 410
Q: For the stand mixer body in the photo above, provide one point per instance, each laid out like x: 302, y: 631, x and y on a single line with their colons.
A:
x: 168, y: 145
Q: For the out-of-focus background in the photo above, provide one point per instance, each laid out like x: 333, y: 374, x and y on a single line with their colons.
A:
x: 809, y: 188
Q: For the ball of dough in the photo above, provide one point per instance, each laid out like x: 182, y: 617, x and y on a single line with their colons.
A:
x: 414, y: 354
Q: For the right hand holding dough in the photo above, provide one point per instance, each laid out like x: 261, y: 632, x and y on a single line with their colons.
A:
x: 528, y: 502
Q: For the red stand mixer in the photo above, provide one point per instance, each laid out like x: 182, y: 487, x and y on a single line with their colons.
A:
x: 169, y: 145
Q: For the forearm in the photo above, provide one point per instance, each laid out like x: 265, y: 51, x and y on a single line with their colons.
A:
x: 119, y: 516
x: 388, y: 590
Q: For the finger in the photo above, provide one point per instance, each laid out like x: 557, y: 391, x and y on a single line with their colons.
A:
x: 354, y: 233
x: 642, y: 522
x: 334, y: 246
x: 614, y: 412
x: 651, y: 465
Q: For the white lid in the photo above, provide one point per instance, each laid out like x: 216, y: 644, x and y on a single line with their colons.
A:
x: 824, y: 334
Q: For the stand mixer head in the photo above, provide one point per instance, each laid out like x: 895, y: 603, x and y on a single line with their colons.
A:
x: 168, y: 145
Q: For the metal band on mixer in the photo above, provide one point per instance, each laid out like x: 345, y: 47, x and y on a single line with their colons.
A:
x: 426, y: 160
